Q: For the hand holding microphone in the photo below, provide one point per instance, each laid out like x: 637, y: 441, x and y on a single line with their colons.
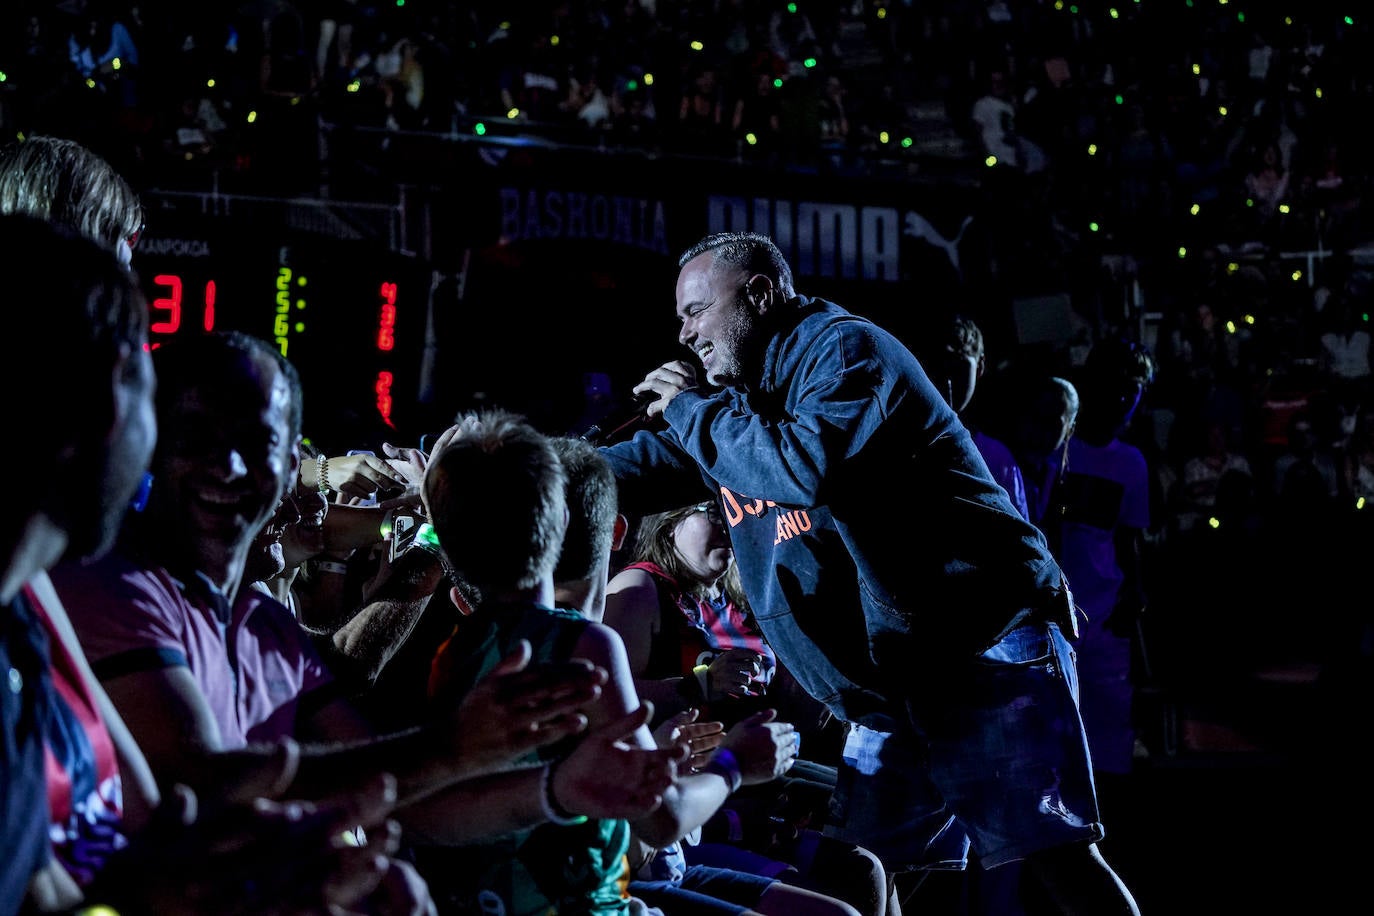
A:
x: 651, y: 397
x: 663, y: 384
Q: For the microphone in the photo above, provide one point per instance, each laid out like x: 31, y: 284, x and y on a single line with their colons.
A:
x: 617, y: 422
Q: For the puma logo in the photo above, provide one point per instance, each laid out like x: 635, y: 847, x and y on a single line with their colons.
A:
x: 921, y: 228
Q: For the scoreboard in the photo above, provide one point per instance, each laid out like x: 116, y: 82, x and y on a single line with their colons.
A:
x: 351, y: 316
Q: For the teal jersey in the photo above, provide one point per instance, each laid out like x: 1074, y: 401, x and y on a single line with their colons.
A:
x: 572, y: 869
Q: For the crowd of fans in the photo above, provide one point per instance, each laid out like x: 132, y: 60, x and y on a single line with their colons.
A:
x: 1207, y: 157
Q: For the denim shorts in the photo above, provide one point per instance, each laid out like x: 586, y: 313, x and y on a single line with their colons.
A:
x: 705, y: 891
x: 996, y: 759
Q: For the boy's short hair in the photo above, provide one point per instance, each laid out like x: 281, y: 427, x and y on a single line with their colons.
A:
x: 496, y: 498
x: 964, y: 337
x: 593, y: 505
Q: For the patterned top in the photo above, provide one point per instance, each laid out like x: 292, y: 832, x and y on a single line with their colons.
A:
x: 693, y: 630
x: 85, y: 797
x: 26, y: 698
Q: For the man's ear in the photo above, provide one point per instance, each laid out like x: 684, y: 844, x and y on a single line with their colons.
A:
x: 760, y: 291
x: 294, y: 471
x: 982, y: 366
x: 121, y: 399
x: 619, y: 532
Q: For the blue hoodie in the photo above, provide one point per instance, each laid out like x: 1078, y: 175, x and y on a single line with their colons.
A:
x: 878, y: 552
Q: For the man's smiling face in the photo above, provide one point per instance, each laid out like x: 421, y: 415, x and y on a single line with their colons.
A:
x: 719, y: 322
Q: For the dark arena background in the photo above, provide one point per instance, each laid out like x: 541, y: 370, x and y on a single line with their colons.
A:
x: 1194, y: 175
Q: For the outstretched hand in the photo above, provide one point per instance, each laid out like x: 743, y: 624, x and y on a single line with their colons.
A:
x: 764, y: 748
x: 606, y: 776
x: 516, y: 708
x: 701, y: 738
x: 226, y: 857
x: 410, y: 463
x: 365, y: 476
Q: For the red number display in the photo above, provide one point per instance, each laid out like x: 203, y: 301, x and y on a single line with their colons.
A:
x: 386, y: 322
x: 169, y: 306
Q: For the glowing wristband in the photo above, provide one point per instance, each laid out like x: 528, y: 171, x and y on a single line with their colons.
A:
x: 145, y: 487
x: 724, y: 765
x: 331, y: 566
x: 322, y: 473
x: 701, y: 671
x: 555, y: 812
x: 355, y: 837
x: 692, y: 687
x: 427, y: 539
